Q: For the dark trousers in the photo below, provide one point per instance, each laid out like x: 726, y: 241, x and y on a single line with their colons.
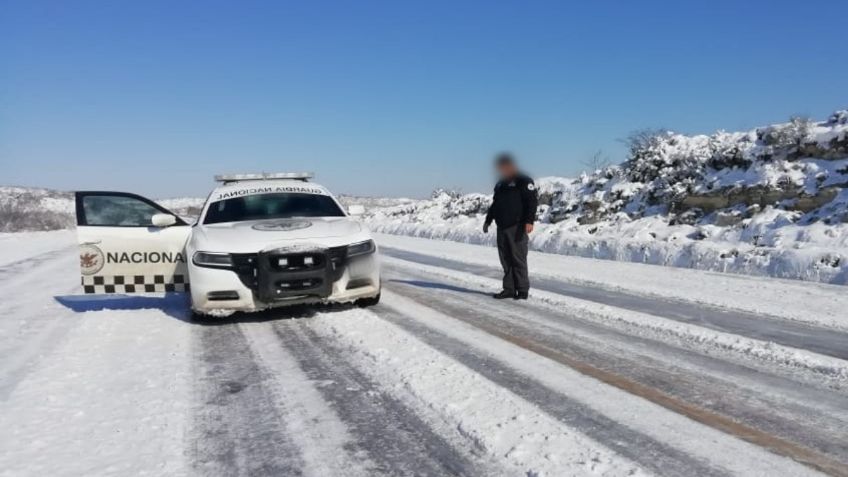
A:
x: 512, y: 249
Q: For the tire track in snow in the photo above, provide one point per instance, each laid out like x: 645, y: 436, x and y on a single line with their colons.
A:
x: 576, y: 361
x: 803, y: 425
x: 820, y: 340
x: 321, y: 435
x: 236, y: 428
x: 574, y: 328
x: 811, y: 368
x: 790, y: 370
x: 44, y: 281
x: 643, y: 450
x: 32, y: 323
x: 14, y: 269
x: 818, y: 425
x: 389, y: 433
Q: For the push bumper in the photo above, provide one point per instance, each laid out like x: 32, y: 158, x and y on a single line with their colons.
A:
x: 276, y: 283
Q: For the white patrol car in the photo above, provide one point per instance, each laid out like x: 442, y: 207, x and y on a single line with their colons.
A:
x: 261, y: 240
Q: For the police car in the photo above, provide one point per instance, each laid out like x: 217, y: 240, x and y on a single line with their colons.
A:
x: 261, y: 240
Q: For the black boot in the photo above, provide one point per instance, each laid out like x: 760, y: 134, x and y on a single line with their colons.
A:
x: 504, y: 294
x: 522, y: 295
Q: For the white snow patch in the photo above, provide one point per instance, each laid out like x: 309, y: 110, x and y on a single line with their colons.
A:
x: 110, y: 400
x: 18, y: 246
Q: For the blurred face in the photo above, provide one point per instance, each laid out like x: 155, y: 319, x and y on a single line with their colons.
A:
x: 506, y: 171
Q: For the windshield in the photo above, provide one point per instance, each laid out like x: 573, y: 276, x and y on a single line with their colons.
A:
x: 272, y: 206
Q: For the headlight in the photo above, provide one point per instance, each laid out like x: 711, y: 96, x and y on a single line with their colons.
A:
x: 361, y: 248
x: 213, y: 260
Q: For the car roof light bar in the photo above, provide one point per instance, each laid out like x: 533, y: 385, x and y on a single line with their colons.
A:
x: 230, y: 178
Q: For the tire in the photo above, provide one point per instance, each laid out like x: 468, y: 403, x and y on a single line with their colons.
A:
x: 366, y: 302
x: 196, y: 317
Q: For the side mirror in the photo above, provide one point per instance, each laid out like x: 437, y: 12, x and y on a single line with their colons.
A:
x: 163, y: 220
x: 356, y: 209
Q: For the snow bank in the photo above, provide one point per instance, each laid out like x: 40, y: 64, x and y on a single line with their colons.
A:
x: 771, y: 201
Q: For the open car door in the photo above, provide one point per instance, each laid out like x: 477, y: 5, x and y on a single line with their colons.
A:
x: 129, y: 244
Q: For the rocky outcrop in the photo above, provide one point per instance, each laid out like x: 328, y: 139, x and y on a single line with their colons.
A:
x: 760, y: 196
x: 837, y: 149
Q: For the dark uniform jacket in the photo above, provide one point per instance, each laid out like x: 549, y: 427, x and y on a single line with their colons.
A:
x: 514, y: 202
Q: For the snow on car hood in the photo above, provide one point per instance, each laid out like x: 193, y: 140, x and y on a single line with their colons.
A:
x: 255, y: 235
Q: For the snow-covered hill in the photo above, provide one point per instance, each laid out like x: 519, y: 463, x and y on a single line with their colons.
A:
x: 770, y: 201
x: 39, y: 209
x: 36, y: 209
x: 374, y: 203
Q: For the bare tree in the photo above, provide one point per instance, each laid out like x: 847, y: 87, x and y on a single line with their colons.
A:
x: 642, y: 139
x: 596, y: 162
x: 453, y: 192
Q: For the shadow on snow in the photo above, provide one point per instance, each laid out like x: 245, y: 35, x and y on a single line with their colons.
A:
x: 439, y: 286
x: 176, y: 305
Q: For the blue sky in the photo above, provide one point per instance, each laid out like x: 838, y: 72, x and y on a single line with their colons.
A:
x: 388, y: 98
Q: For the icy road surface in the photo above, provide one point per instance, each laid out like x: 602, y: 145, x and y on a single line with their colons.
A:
x: 609, y: 369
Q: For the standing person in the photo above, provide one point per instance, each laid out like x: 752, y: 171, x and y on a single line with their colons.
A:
x: 514, y: 211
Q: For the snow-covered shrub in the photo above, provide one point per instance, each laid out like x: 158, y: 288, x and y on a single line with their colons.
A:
x: 772, y: 200
x: 781, y: 138
x: 23, y: 208
x: 838, y: 118
x: 14, y: 219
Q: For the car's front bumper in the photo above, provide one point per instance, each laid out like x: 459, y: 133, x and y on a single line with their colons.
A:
x: 214, y: 290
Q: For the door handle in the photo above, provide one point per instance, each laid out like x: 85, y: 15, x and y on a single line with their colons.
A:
x: 95, y: 242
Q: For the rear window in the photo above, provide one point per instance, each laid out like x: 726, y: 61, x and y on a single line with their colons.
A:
x: 272, y: 206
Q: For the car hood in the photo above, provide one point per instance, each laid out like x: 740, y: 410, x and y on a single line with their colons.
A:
x: 256, y: 235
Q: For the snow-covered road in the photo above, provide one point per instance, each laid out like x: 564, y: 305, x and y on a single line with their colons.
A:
x: 609, y: 369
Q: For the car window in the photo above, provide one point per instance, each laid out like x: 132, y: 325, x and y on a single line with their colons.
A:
x: 272, y: 206
x: 117, y: 210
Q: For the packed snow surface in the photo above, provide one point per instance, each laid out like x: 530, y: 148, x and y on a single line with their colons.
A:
x: 437, y: 380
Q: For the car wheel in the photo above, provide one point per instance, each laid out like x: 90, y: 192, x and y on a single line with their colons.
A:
x: 366, y: 302
x: 196, y: 317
